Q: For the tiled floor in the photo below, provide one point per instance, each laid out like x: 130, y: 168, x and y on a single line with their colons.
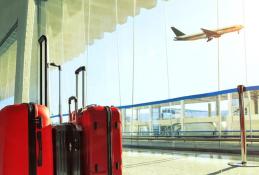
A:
x: 147, y: 163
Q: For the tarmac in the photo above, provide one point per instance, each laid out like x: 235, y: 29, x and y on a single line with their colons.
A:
x: 147, y: 162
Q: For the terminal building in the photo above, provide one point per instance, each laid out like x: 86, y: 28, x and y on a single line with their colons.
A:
x: 178, y: 100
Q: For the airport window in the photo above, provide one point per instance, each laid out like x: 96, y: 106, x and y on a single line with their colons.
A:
x: 171, y: 67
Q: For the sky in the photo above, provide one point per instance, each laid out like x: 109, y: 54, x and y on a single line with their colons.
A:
x: 164, y: 68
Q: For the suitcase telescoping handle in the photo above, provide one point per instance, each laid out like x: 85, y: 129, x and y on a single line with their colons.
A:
x: 43, y: 39
x: 72, y: 117
x: 59, y: 89
x: 81, y: 69
x: 43, y: 62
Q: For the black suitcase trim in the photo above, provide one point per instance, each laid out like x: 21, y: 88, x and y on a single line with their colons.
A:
x: 32, y: 140
x: 109, y: 139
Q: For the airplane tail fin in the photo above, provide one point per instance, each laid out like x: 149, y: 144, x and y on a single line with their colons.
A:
x: 177, y: 32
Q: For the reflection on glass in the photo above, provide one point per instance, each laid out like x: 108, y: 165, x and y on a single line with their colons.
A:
x: 8, y: 52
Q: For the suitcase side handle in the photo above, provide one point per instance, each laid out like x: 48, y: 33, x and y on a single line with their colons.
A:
x: 81, y: 69
x: 39, y: 140
x: 71, y: 116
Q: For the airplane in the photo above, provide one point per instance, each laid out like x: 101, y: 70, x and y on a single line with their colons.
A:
x: 209, y: 34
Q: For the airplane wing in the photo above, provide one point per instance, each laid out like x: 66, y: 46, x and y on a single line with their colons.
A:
x: 210, y: 33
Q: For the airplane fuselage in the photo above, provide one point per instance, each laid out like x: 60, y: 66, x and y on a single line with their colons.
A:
x: 209, y: 34
x: 190, y: 37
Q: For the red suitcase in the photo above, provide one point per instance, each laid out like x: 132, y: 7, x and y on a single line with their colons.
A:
x: 26, y: 140
x: 102, y: 137
x: 101, y: 140
x: 26, y: 137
